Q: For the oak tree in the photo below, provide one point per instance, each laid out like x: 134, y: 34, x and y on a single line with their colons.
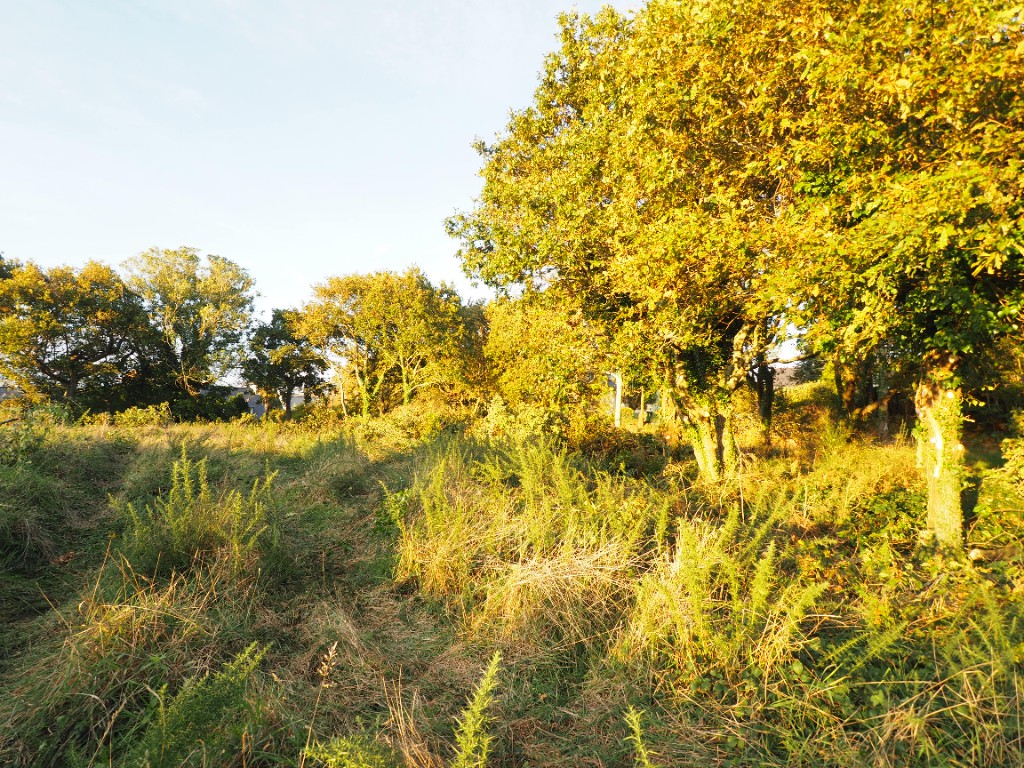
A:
x: 201, y: 307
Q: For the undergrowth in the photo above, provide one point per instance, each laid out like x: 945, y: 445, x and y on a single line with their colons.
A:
x: 284, y: 594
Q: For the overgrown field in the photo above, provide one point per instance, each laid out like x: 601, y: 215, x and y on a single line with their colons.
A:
x: 419, y: 591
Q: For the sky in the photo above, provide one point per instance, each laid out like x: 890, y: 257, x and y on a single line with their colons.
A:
x: 298, y: 138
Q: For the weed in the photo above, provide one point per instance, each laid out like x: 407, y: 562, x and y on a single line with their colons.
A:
x: 200, y: 724
x: 189, y: 525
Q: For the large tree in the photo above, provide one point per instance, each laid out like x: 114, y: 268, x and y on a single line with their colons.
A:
x: 78, y: 335
x: 641, y: 185
x: 914, y: 145
x: 395, y: 333
x: 699, y: 174
x: 200, y: 306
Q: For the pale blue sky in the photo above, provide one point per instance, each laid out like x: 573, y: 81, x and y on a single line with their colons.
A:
x: 300, y: 138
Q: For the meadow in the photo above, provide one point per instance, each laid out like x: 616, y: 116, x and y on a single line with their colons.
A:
x: 427, y: 589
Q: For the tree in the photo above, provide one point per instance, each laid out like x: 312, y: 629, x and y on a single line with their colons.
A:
x: 542, y: 353
x: 7, y: 266
x: 74, y: 335
x: 642, y: 183
x: 914, y: 146
x: 201, y: 308
x: 391, y: 331
x: 280, y: 362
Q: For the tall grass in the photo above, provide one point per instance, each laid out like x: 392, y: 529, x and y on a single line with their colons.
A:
x: 534, y: 547
x: 120, y: 639
x: 791, y: 618
x: 781, y: 623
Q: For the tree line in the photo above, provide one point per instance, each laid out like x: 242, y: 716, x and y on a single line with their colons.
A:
x: 701, y: 180
x: 176, y: 324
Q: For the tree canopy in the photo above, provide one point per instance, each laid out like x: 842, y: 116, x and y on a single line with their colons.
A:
x: 281, y: 362
x: 697, y: 177
x: 201, y: 306
x: 395, y: 333
x: 73, y: 334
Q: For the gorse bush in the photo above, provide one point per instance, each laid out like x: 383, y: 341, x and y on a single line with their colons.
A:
x: 473, y: 739
x: 148, y: 416
x: 353, y: 752
x: 634, y: 722
x: 189, y: 524
x: 472, y: 745
x: 202, y: 724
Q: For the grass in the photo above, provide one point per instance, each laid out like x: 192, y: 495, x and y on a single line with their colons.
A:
x: 329, y: 594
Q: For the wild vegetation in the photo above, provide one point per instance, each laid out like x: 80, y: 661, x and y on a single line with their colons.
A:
x: 450, y: 554
x: 329, y: 592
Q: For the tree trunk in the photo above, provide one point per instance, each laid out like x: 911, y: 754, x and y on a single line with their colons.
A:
x: 406, y: 388
x: 763, y: 379
x: 670, y: 417
x: 882, y: 419
x: 941, y: 456
x: 845, y: 385
x: 714, y: 444
x: 705, y: 447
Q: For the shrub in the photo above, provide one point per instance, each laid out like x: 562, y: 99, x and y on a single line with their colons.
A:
x: 1013, y: 452
x: 526, y: 422
x: 717, y: 602
x: 472, y: 740
x: 149, y: 416
x: 354, y: 752
x: 189, y: 524
x: 201, y: 723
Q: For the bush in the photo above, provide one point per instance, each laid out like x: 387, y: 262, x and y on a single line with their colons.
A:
x: 201, y: 723
x: 149, y: 416
x: 354, y: 752
x: 213, y: 405
x: 1013, y: 452
x: 189, y: 524
x: 516, y: 425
